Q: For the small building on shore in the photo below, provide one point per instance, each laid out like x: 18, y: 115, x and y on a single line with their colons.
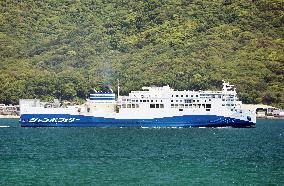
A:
x: 9, y: 109
x: 264, y: 111
x: 278, y: 113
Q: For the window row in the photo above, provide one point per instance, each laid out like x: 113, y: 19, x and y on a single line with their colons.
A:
x: 130, y: 106
x: 229, y: 104
x: 156, y: 105
x: 189, y: 100
x: 211, y: 95
x: 145, y: 100
x: 227, y: 99
x: 190, y: 105
x: 184, y: 96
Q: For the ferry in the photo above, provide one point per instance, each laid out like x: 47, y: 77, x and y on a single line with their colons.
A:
x: 150, y: 107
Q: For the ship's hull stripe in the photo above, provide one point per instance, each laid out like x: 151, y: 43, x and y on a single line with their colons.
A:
x: 102, y: 98
x: 61, y: 120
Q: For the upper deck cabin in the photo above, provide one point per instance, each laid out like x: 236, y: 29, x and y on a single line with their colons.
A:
x: 161, y: 97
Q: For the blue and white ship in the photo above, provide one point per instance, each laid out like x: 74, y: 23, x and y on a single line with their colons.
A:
x: 151, y: 107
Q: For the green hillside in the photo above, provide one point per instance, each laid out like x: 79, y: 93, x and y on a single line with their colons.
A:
x: 64, y: 48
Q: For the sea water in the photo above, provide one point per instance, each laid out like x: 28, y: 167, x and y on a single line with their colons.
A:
x: 142, y: 156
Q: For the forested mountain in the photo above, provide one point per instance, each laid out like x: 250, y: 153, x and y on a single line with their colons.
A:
x: 64, y: 48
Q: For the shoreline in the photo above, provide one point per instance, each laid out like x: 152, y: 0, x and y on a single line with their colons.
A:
x: 8, y: 116
x: 270, y: 117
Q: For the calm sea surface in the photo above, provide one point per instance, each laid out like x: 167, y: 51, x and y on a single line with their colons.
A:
x: 138, y: 156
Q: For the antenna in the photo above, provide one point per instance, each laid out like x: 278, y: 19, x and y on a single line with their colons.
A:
x: 118, y: 88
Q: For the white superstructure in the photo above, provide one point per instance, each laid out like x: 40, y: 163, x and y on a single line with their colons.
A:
x: 157, y: 105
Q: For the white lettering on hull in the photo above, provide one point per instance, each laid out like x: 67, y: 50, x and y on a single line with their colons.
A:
x: 53, y: 120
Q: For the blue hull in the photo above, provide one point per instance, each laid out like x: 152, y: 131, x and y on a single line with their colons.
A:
x: 65, y: 120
